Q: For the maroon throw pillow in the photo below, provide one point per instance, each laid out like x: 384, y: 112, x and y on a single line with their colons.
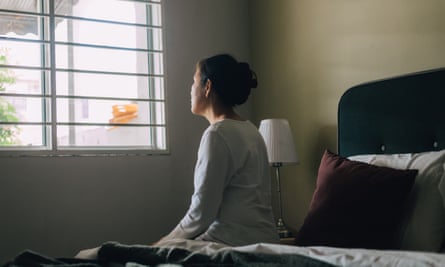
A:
x: 355, y: 205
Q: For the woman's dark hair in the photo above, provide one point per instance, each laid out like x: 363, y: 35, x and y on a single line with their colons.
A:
x: 232, y: 80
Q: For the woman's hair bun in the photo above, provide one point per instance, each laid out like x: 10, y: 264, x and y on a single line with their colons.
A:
x: 247, y: 76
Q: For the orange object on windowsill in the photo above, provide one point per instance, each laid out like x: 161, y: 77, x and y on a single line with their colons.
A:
x: 119, y: 110
x: 124, y: 113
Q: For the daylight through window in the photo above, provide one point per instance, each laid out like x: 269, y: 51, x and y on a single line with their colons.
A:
x: 81, y: 75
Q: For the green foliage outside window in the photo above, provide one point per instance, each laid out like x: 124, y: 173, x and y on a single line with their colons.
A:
x: 8, y: 133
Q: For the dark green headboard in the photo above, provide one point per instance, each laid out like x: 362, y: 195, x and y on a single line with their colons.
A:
x: 396, y: 115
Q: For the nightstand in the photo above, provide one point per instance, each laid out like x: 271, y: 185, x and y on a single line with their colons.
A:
x: 287, y: 240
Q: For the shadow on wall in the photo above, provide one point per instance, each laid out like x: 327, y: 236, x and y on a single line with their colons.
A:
x: 326, y: 139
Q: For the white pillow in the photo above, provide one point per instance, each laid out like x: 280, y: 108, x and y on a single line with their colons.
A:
x: 423, y: 227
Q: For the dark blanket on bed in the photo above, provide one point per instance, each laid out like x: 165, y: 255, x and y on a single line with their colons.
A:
x: 116, y: 254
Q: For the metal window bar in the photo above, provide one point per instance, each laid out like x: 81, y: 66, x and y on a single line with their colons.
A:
x: 52, y: 58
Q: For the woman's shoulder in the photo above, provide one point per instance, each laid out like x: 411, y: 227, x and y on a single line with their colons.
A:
x: 229, y: 126
x: 233, y: 128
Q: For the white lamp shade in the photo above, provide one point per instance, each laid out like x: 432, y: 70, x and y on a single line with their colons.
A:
x: 279, y: 141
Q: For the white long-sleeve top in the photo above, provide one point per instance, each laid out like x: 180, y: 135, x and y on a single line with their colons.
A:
x: 231, y: 202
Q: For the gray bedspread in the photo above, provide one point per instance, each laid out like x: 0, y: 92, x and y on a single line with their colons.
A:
x: 115, y: 254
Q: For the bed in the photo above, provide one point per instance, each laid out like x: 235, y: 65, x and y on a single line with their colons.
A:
x: 379, y: 200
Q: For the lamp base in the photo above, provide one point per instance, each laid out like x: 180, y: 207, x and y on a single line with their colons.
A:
x: 283, y: 232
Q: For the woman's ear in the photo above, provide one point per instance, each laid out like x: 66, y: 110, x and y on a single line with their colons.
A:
x: 207, y: 88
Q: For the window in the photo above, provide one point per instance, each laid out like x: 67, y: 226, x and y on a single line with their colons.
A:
x: 81, y: 76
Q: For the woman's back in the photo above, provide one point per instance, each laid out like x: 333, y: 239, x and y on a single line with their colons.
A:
x: 245, y: 215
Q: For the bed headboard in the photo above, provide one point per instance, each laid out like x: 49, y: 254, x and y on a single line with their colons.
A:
x: 397, y: 115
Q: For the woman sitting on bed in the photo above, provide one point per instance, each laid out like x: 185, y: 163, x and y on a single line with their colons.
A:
x: 231, y: 202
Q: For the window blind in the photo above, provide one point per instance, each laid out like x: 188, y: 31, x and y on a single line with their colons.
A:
x: 82, y: 76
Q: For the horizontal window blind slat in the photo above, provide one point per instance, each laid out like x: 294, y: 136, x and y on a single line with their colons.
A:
x: 24, y: 123
x: 110, y: 98
x: 110, y: 72
x: 25, y: 40
x: 85, y: 124
x: 108, y: 47
x: 23, y: 67
x: 110, y: 124
x: 25, y: 95
x: 82, y: 97
x: 18, y: 12
x: 146, y: 1
x: 108, y: 21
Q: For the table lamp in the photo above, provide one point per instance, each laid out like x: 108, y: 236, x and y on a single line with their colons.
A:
x: 281, y: 151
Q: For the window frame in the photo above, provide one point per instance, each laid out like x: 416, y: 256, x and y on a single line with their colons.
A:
x: 49, y: 90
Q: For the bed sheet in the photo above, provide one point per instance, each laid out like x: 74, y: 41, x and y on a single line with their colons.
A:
x: 329, y: 255
x: 336, y: 256
x: 182, y: 252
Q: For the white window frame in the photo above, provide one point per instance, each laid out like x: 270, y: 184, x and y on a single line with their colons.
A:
x: 51, y: 147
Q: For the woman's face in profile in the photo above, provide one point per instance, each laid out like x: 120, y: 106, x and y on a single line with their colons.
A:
x: 197, y: 96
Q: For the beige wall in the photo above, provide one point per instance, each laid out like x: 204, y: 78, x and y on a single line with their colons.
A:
x: 308, y: 52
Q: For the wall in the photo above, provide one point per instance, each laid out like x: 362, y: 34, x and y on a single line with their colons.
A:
x: 307, y: 53
x: 59, y: 205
